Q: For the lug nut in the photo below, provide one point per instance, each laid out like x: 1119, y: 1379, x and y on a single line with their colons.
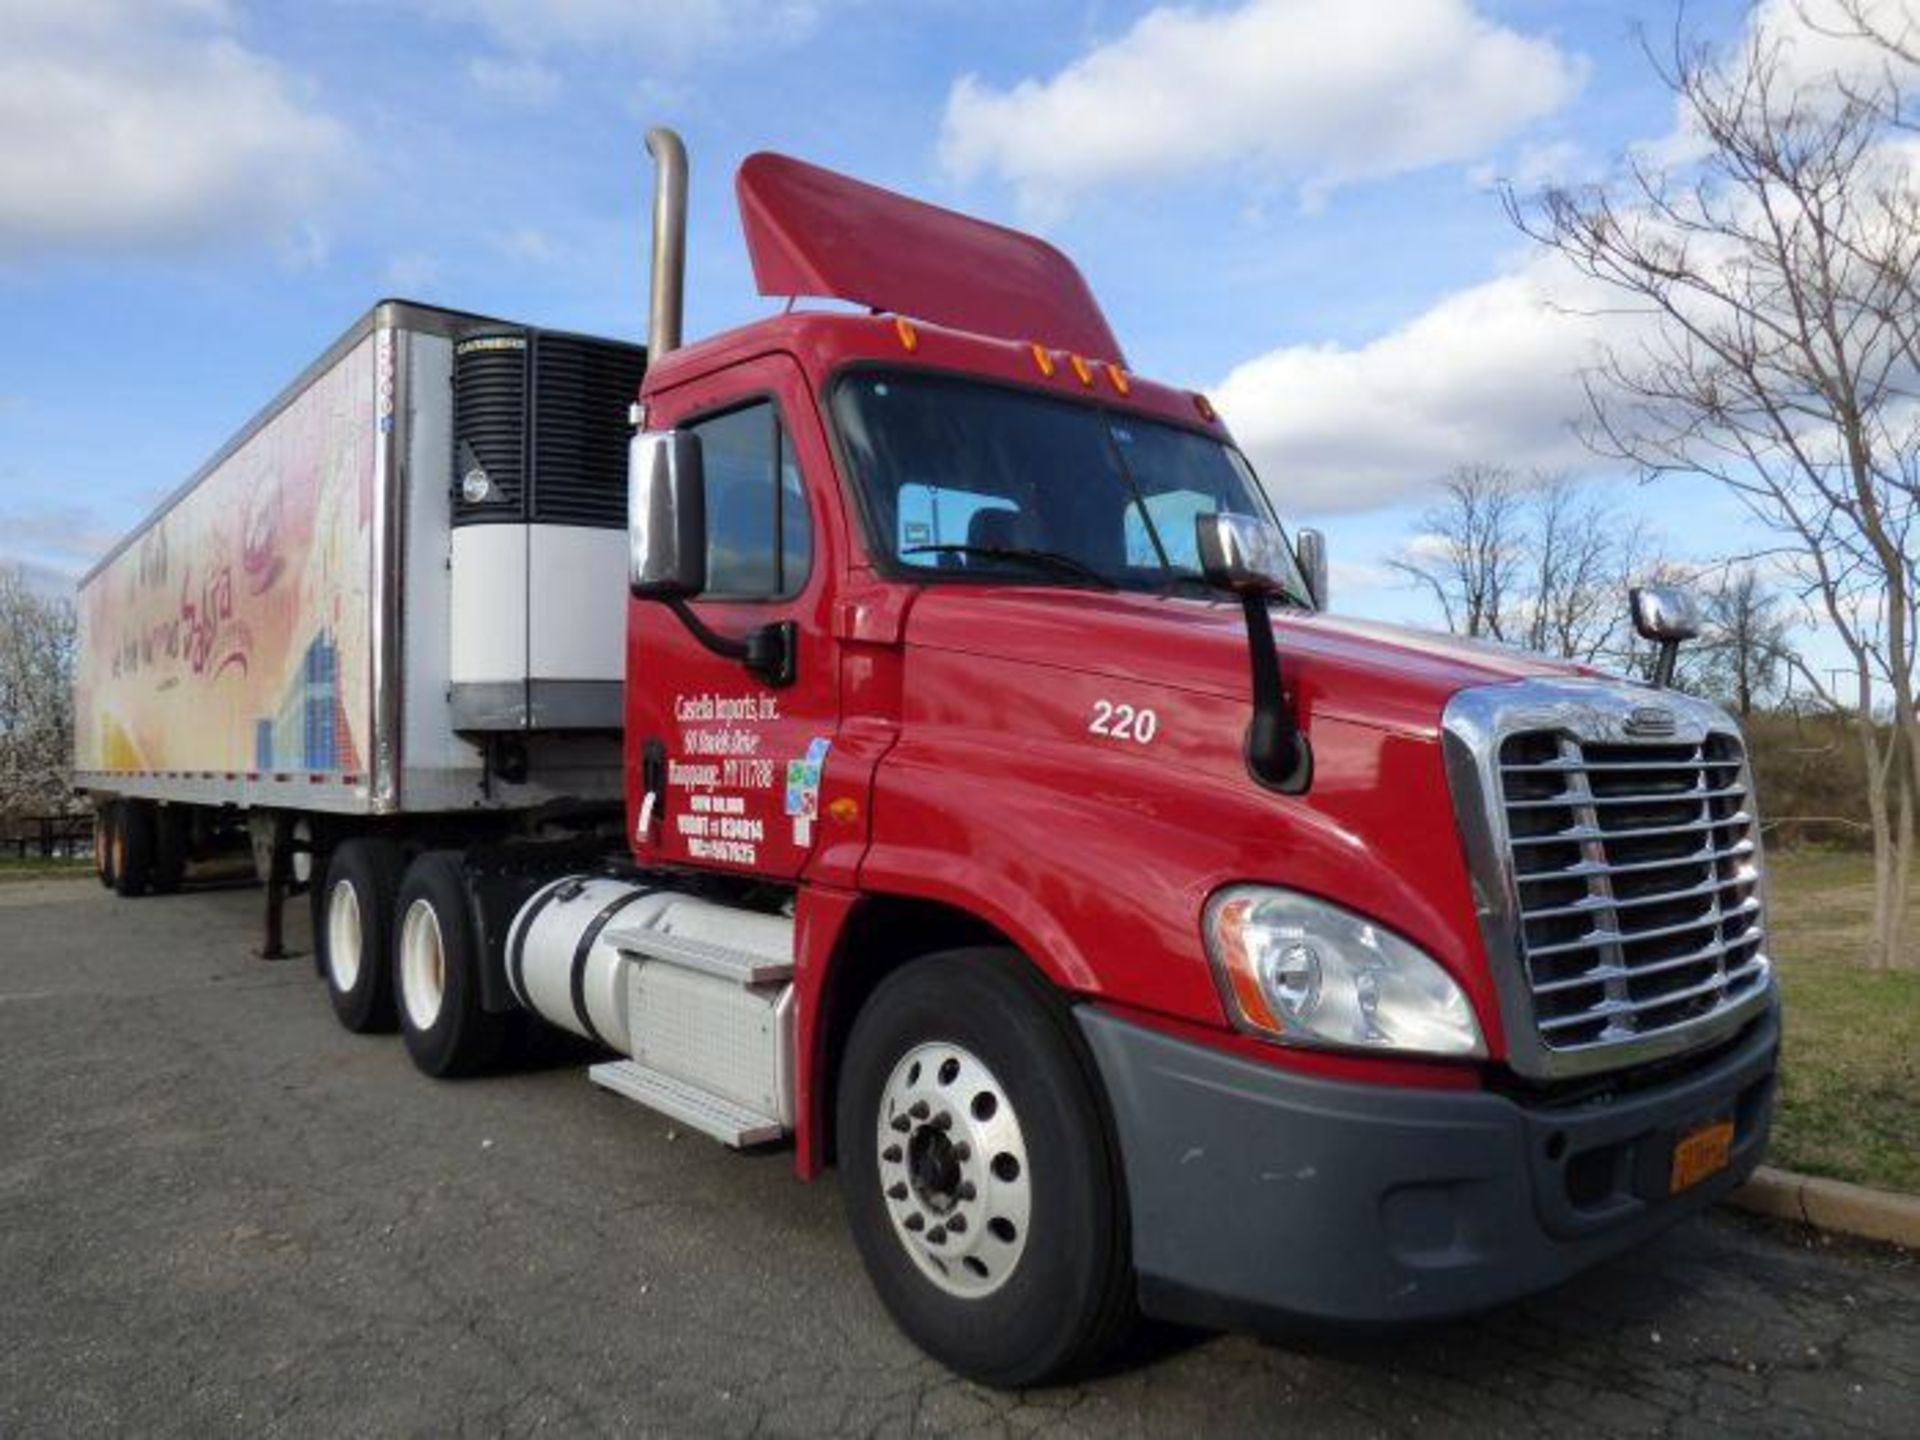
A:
x: 915, y: 1221
x: 962, y: 1151
x: 966, y: 1190
x: 901, y: 1124
x: 896, y: 1191
x: 918, y: 1110
x: 936, y: 1236
x: 943, y: 1121
x: 957, y: 1224
x: 891, y: 1154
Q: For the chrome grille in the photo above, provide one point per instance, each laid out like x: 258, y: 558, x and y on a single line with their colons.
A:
x: 1636, y: 873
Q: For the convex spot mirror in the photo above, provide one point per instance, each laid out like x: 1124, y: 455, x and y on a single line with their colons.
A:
x: 1664, y: 612
x: 666, y: 516
x: 1310, y: 549
x: 1243, y: 554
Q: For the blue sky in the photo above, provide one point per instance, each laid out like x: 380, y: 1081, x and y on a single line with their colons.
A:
x: 1287, y: 202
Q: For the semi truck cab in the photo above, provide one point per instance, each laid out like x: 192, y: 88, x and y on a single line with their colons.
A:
x: 1008, y: 823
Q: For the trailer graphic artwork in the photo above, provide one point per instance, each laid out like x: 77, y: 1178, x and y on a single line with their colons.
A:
x: 233, y: 635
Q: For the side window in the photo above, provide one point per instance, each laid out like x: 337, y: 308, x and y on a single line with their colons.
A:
x: 759, y: 534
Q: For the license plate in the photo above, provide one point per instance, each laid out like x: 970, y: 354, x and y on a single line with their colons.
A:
x: 1702, y: 1151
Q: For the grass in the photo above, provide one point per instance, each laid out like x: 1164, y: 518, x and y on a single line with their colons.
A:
x: 1850, y: 1074
x: 34, y: 867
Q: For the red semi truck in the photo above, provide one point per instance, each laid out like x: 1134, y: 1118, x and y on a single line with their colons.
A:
x: 903, y: 730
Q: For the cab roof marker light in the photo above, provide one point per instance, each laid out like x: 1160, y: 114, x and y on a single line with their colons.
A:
x: 1042, y: 361
x: 1080, y: 369
x: 1205, y: 407
x: 1118, y: 378
x: 909, y: 337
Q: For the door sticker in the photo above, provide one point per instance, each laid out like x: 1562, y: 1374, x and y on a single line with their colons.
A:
x: 721, y: 739
x: 803, y: 789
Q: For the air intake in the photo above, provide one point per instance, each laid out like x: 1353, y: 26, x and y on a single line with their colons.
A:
x: 490, y: 427
x: 581, y: 391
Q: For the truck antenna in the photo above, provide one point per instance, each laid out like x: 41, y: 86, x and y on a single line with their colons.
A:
x: 665, y: 301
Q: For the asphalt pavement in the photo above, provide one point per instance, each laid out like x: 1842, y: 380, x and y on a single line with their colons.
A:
x: 222, y: 1214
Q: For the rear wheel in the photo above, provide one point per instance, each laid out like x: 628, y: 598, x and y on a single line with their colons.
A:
x: 172, y: 828
x: 982, y: 1186
x: 133, y: 847
x: 437, y: 972
x: 353, y: 938
x: 105, y: 843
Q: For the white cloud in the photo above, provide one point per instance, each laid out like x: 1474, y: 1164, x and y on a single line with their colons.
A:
x: 1488, y: 374
x: 410, y: 273
x: 661, y: 29
x: 146, y: 124
x: 528, y: 244
x: 1318, y: 92
x: 523, y: 81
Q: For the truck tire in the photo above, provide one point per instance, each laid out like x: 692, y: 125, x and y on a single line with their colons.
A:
x: 133, y: 847
x: 104, y: 844
x: 172, y: 828
x: 982, y: 1183
x: 353, y: 941
x: 436, y: 972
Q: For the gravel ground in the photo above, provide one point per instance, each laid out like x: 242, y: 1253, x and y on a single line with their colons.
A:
x: 221, y: 1214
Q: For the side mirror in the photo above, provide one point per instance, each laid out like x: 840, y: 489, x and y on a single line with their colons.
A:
x: 1664, y: 612
x: 666, y: 516
x: 1242, y: 554
x: 1310, y: 549
x: 1666, y: 615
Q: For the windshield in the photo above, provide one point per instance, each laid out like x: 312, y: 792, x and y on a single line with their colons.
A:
x: 964, y: 479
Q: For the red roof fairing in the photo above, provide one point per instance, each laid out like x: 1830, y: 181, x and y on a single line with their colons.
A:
x: 812, y: 232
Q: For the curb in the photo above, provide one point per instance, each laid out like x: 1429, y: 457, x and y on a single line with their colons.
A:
x: 1832, y: 1205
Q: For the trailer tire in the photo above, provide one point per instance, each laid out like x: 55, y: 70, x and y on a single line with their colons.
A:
x: 353, y: 941
x: 104, y: 844
x: 172, y: 828
x: 436, y: 972
x: 972, y: 1053
x: 133, y: 847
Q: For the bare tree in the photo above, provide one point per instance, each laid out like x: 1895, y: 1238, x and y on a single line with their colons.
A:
x: 1467, y: 556
x: 36, y: 699
x: 1744, y: 656
x: 1772, y: 268
x: 1537, y: 561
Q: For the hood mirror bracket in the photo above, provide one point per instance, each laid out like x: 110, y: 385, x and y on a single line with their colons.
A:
x: 1246, y: 556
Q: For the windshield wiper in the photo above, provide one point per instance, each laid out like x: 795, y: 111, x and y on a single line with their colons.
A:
x: 1193, y: 580
x: 1044, y: 559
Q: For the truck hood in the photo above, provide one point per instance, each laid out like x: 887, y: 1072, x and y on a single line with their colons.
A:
x: 1390, y: 676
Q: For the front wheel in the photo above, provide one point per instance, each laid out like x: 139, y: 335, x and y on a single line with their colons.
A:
x: 982, y: 1185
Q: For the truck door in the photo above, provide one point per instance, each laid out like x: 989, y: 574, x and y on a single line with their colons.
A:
x: 724, y: 766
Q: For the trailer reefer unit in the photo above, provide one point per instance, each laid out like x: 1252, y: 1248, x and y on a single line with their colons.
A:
x: 339, y: 612
x: 1003, y: 818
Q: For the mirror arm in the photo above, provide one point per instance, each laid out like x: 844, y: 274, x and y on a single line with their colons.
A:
x: 768, y: 652
x: 1663, y: 664
x: 1278, y: 755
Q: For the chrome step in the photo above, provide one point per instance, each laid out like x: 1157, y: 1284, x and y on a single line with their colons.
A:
x: 697, y: 1109
x: 724, y: 962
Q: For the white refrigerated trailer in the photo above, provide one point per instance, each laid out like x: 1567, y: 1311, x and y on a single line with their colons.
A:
x: 332, y: 632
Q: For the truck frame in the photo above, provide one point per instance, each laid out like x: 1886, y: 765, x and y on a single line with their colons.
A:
x: 986, y: 803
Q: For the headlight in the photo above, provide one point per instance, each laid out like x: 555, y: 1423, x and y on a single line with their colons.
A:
x: 1310, y: 973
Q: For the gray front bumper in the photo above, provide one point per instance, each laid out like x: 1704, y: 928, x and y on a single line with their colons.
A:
x: 1259, y: 1195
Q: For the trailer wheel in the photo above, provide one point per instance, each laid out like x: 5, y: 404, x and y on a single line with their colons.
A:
x: 352, y: 940
x: 133, y: 847
x: 436, y: 972
x: 172, y: 828
x: 983, y: 1188
x: 104, y: 844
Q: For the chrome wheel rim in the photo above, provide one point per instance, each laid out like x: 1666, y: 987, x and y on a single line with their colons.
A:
x: 343, y: 936
x: 953, y: 1169
x: 423, y: 964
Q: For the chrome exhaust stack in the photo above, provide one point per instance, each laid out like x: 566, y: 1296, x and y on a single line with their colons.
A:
x: 667, y: 295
